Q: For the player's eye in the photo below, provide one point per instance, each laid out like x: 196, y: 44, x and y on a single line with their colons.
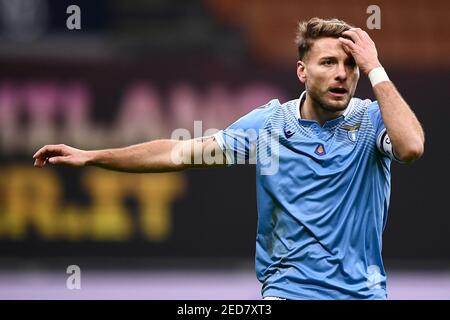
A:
x: 351, y: 63
x: 327, y: 62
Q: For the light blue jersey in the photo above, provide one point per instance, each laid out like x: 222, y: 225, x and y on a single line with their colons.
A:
x: 323, y: 207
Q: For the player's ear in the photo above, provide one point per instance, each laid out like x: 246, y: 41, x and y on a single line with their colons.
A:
x: 301, y: 71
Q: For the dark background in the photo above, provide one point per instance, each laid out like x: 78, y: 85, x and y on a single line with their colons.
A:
x: 216, y: 49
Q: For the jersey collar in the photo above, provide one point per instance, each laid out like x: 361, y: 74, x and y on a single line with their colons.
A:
x: 329, y: 123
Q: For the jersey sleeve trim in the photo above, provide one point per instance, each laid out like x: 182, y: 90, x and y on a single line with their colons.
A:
x: 219, y: 138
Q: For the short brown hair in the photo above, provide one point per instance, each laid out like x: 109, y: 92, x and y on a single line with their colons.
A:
x: 317, y: 28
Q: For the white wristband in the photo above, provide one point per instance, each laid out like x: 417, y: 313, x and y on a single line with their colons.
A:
x: 378, y: 75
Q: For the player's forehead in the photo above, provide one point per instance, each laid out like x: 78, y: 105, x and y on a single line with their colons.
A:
x: 327, y: 47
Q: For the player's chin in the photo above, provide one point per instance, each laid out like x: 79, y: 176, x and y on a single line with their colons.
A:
x: 337, y: 104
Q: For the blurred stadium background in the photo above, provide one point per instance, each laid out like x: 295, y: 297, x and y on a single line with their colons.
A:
x: 139, y: 69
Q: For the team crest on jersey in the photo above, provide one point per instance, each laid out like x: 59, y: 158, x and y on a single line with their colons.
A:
x: 352, y: 131
x: 320, y: 150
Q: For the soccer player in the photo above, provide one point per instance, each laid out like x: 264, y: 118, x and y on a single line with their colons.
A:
x: 323, y: 202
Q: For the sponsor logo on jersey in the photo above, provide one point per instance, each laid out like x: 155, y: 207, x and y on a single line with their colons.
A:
x: 288, y: 133
x: 320, y: 150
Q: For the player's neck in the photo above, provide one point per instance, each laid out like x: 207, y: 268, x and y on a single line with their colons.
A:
x: 311, y: 111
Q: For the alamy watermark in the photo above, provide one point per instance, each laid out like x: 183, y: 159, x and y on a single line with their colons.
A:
x: 373, y: 277
x: 73, y: 282
x: 374, y: 20
x: 237, y: 146
x: 73, y: 22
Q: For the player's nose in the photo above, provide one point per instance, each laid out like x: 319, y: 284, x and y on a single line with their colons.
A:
x: 341, y: 72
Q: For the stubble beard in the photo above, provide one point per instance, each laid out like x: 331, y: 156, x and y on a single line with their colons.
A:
x: 320, y: 102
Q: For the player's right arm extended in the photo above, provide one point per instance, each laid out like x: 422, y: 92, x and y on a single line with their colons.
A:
x: 154, y: 156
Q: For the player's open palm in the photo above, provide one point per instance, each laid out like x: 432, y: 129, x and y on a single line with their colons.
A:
x: 60, y: 154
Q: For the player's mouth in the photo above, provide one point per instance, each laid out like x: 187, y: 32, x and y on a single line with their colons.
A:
x: 338, y: 91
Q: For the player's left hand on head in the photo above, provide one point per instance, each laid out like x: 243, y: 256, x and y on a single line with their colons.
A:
x: 59, y: 154
x: 362, y: 48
